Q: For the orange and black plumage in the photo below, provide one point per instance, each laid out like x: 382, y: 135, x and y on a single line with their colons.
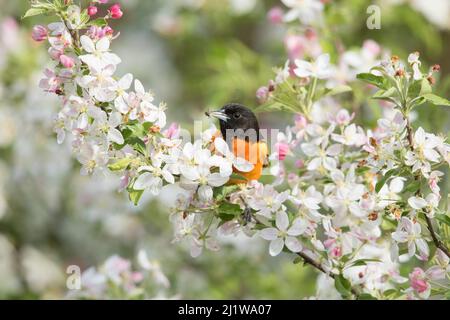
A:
x: 239, y: 127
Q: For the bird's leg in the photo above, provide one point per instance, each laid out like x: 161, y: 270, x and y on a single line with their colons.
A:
x: 247, y: 213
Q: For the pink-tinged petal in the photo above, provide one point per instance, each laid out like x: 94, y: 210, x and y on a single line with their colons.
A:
x: 293, y: 244
x: 276, y: 246
x: 269, y: 234
x: 282, y: 220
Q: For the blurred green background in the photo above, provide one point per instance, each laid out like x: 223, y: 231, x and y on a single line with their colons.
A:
x: 195, y: 55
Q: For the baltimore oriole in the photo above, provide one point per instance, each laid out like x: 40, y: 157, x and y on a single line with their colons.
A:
x: 239, y: 127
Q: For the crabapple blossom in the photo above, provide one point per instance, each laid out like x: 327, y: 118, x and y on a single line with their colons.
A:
x: 348, y: 192
x: 429, y: 204
x: 284, y: 234
x: 98, y: 55
x: 228, y: 160
x: 319, y: 69
x: 409, y: 232
x: 307, y: 11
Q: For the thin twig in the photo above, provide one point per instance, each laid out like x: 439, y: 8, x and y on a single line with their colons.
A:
x: 307, y: 259
x: 438, y: 243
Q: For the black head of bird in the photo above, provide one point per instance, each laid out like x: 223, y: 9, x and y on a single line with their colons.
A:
x: 237, y: 119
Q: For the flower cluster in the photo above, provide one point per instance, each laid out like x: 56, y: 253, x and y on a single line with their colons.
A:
x: 116, y: 279
x: 343, y: 196
x: 114, y: 122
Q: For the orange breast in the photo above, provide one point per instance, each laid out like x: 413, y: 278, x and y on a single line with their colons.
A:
x: 255, y: 153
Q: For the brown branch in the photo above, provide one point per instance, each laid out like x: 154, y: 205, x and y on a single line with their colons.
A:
x: 438, y: 243
x: 308, y: 260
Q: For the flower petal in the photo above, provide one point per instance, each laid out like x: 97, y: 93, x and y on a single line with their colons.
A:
x: 276, y: 246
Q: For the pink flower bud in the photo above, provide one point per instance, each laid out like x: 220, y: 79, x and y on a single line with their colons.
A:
x: 300, y: 121
x: 103, y: 1
x: 92, y: 10
x: 108, y: 30
x: 329, y: 243
x: 295, y: 46
x: 299, y: 163
x: 262, y: 94
x: 55, y: 53
x: 275, y: 15
x: 282, y: 150
x: 336, y: 252
x: 418, y: 280
x: 115, y: 11
x: 67, y: 61
x: 39, y: 33
x: 372, y: 47
x: 173, y: 131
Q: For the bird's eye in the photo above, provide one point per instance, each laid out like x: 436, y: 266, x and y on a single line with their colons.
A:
x: 236, y: 115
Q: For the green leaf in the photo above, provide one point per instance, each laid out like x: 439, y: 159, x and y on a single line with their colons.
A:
x: 135, y: 195
x: 343, y: 286
x: 390, y: 292
x: 362, y: 170
x: 98, y: 22
x: 298, y: 260
x: 137, y: 145
x: 366, y: 296
x: 337, y: 90
x: 34, y: 12
x: 120, y: 164
x: 361, y: 262
x: 384, y: 94
x: 443, y: 218
x: 436, y: 100
x: 425, y: 87
x: 377, y: 81
x: 413, y: 186
x: 383, y: 180
x: 236, y: 176
x: 275, y: 106
x: 230, y: 208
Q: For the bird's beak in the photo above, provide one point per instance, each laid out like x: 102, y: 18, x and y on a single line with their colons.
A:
x: 217, y: 114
